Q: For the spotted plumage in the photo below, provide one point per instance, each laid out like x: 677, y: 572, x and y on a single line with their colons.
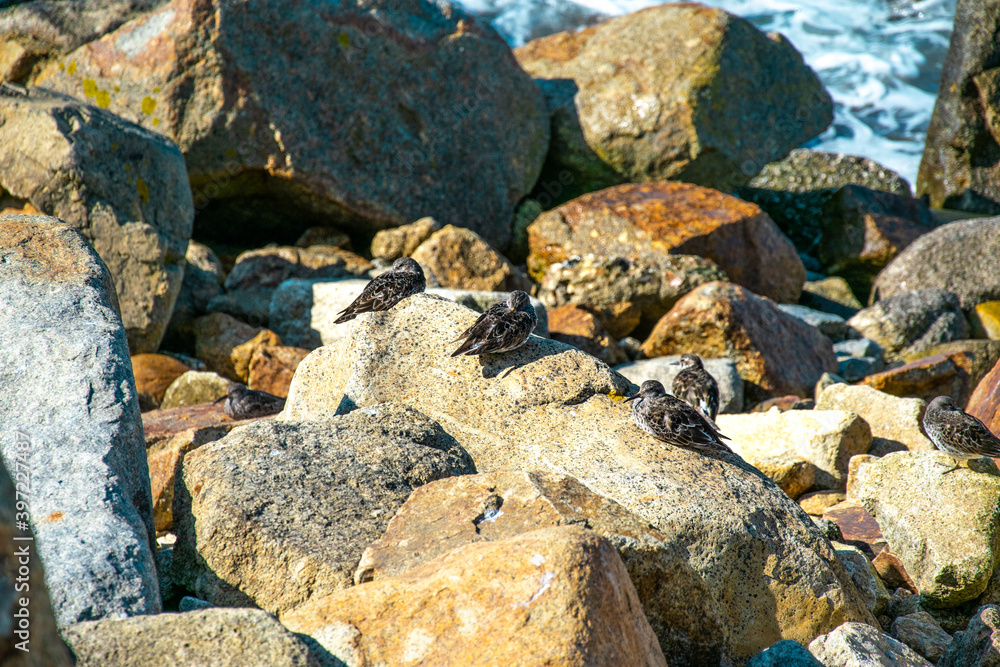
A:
x: 696, y: 387
x: 243, y: 403
x: 504, y: 326
x: 673, y: 421
x: 404, y: 279
x: 958, y: 434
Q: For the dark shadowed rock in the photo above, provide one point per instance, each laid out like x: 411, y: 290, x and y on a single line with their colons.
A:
x: 203, y: 278
x: 786, y: 653
x: 978, y: 644
x: 912, y: 322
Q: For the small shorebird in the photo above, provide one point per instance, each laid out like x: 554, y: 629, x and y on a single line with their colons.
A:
x: 505, y: 326
x: 243, y: 403
x: 404, y: 279
x: 958, y: 434
x: 696, y: 387
x: 673, y: 421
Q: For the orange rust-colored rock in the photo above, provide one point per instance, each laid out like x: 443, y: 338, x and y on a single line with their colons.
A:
x: 579, y: 327
x: 938, y: 375
x: 858, y: 526
x: 153, y: 374
x: 226, y: 344
x: 632, y: 220
x: 984, y: 404
x: 160, y: 425
x: 272, y: 368
x: 461, y: 259
x: 775, y: 353
x: 556, y: 596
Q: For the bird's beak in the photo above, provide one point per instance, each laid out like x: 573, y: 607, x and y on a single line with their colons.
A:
x: 220, y: 399
x: 674, y: 363
x: 631, y: 399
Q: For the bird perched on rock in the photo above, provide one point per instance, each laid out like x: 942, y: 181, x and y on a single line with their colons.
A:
x: 243, y: 403
x: 673, y: 421
x: 958, y: 434
x: 696, y: 387
x: 505, y: 326
x: 404, y: 279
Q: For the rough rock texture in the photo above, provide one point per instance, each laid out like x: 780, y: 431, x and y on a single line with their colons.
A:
x: 895, y: 422
x: 984, y: 404
x: 549, y: 407
x: 125, y: 188
x: 391, y: 244
x: 786, y: 653
x: 860, y: 645
x: 831, y: 295
x: 723, y: 370
x: 639, y: 220
x: 959, y: 257
x: 69, y: 420
x: 826, y: 438
x: 912, y: 322
x: 160, y: 425
x: 449, y: 513
x: 269, y: 267
x: 194, y: 388
x: 272, y: 368
x: 217, y: 637
x: 226, y: 345
x: 461, y: 259
x: 832, y: 326
x: 986, y: 320
x: 276, y: 512
x: 865, y: 577
x: 683, y: 92
x: 978, y: 644
x: 922, y: 633
x: 817, y: 502
x: 203, y: 278
x: 927, y: 377
x: 153, y: 374
x: 945, y: 528
x: 793, y: 475
x: 579, y: 327
x: 255, y: 126
x: 776, y: 354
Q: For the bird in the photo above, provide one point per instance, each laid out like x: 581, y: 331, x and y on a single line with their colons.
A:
x: 696, y: 387
x: 957, y: 433
x: 404, y: 279
x: 505, y: 326
x: 673, y: 421
x: 243, y: 403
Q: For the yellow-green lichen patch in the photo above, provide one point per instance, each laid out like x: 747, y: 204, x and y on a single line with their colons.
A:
x: 148, y: 105
x: 143, y: 189
x: 103, y: 99
x: 344, y: 40
x: 89, y: 87
x: 71, y: 68
x: 156, y: 121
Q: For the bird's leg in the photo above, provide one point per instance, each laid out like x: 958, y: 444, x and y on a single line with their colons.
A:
x: 958, y: 466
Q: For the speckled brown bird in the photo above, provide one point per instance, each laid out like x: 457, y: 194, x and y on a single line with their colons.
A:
x: 505, y: 326
x: 696, y: 387
x: 404, y: 279
x: 243, y: 403
x: 673, y: 421
x: 957, y: 433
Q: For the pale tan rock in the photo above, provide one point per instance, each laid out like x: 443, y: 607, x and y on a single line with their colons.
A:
x: 194, y: 388
x: 391, y: 244
x: 817, y: 502
x: 860, y: 645
x: 894, y: 421
x: 458, y: 258
x: 794, y: 476
x: 856, y: 473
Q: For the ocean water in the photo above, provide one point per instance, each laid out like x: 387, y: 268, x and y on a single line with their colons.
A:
x: 880, y: 59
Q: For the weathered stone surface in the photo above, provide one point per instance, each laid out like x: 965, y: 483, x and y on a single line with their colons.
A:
x: 217, y: 637
x: 786, y: 653
x: 193, y: 388
x: 912, y: 322
x: 126, y: 189
x: 391, y: 244
x: 986, y: 319
x: 775, y: 353
x: 252, y: 306
x: 927, y: 377
x: 860, y: 645
x: 324, y: 235
x: 556, y: 596
x: 269, y: 267
x: 160, y: 425
x: 449, y: 513
x: 256, y: 133
x: 817, y: 502
x: 830, y: 295
x: 681, y: 92
x: 578, y: 327
x: 985, y: 355
x: 984, y: 404
x: 203, y: 278
x: 619, y: 319
x: 635, y: 221
x: 226, y: 345
x: 921, y: 632
x: 959, y: 257
x: 550, y: 407
x: 69, y: 413
x: 153, y: 374
x: 832, y: 326
x: 459, y: 258
x: 945, y: 528
x: 272, y: 368
x: 794, y: 476
x: 663, y: 369
x: 895, y: 422
x: 891, y: 570
x: 276, y: 512
x: 826, y: 438
x: 978, y: 644
x: 865, y: 577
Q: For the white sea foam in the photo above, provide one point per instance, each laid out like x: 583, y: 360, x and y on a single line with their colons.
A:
x: 880, y: 60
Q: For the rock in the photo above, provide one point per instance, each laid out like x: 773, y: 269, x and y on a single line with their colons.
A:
x: 921, y: 632
x: 984, y: 404
x: 830, y: 295
x: 461, y: 259
x: 552, y: 408
x: 654, y: 283
x: 126, y: 189
x: 794, y: 476
x: 978, y: 644
x: 70, y: 422
x: 775, y: 353
x: 391, y: 244
x: 865, y: 577
x: 663, y: 369
x: 855, y: 474
x: 203, y: 278
x: 450, y: 513
x: 272, y: 368
x: 832, y: 326
x: 854, y: 369
x: 986, y: 320
x: 985, y: 355
x: 160, y: 425
x: 576, y: 326
x: 619, y: 319
x: 384, y: 173
x: 817, y: 502
x: 786, y: 653
x: 324, y: 236
x: 860, y: 645
x: 911, y: 322
x: 959, y: 257
x: 857, y: 526
x: 825, y: 438
x: 943, y: 527
x: 153, y: 374
x: 193, y: 388
x: 252, y: 306
x: 269, y: 267
x: 895, y: 422
x: 783, y: 404
x: 641, y: 220
x: 226, y: 345
x: 189, y: 603
x: 859, y: 347
x: 276, y: 513
x: 928, y: 377
x: 630, y: 100
x: 219, y: 637
x: 891, y: 570
x: 824, y: 381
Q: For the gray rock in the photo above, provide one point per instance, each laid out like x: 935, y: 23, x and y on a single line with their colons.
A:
x: 860, y: 645
x: 125, y: 188
x: 203, y: 276
x: 825, y: 380
x: 911, y: 322
x: 921, y: 632
x: 252, y: 306
x: 662, y: 369
x: 189, y: 603
x: 978, y: 644
x: 217, y: 637
x: 832, y: 326
x: 853, y: 369
x: 70, y: 401
x: 858, y: 347
x: 786, y: 653
x: 865, y: 577
x: 277, y: 512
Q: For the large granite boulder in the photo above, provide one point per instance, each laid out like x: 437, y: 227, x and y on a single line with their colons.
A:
x: 895, y: 422
x: 679, y: 91
x: 860, y: 645
x: 549, y: 407
x: 255, y: 95
x: 124, y: 187
x: 69, y: 422
x: 909, y: 323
